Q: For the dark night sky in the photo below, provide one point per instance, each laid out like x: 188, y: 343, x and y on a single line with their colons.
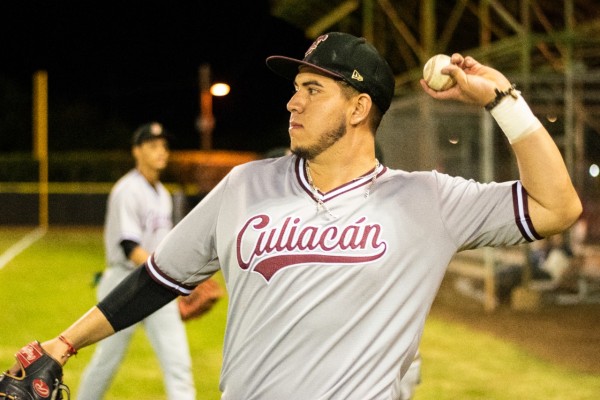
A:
x: 112, y: 67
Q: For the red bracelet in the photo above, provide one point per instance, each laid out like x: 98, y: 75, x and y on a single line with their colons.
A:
x: 71, y: 351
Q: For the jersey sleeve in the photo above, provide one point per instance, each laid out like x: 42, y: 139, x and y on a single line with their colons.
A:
x: 187, y: 255
x: 484, y: 214
x: 128, y: 222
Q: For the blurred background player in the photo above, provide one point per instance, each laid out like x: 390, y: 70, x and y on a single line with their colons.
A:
x: 138, y: 216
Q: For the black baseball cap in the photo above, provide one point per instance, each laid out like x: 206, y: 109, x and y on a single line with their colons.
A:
x: 347, y: 57
x: 149, y: 131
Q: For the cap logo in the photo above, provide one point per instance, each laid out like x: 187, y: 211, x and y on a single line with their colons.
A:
x: 313, y: 46
x: 156, y: 129
x: 357, y: 76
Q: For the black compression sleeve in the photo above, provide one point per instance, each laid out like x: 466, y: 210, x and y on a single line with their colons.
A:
x: 128, y: 246
x: 136, y: 297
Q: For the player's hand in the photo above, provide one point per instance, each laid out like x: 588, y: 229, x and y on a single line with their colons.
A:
x: 37, y: 376
x: 475, y: 82
x: 54, y: 348
x: 15, y: 369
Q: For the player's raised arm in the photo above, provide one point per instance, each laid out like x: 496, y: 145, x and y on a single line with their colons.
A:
x: 553, y: 202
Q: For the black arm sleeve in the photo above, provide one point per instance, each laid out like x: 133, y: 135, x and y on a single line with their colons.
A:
x: 128, y: 246
x: 136, y: 297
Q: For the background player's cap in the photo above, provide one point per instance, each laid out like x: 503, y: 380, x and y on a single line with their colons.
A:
x: 149, y: 131
x: 345, y: 57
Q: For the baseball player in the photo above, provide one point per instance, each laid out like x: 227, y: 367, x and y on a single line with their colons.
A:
x: 331, y: 259
x: 138, y: 216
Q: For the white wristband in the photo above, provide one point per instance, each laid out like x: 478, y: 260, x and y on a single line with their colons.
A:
x: 515, y: 118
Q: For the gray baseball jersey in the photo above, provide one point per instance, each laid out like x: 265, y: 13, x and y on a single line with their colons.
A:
x: 329, y: 301
x: 136, y: 211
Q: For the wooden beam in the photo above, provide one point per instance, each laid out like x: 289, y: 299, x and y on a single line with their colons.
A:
x: 506, y: 16
x: 401, y: 27
x: 368, y: 24
x: 428, y: 28
x: 451, y: 25
x: 331, y: 18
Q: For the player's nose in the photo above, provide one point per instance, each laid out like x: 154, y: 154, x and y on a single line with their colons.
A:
x: 295, y: 103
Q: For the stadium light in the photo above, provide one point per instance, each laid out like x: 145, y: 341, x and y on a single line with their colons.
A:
x: 206, y: 121
x: 219, y: 89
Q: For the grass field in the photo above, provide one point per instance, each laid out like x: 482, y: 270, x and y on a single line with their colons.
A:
x: 48, y: 286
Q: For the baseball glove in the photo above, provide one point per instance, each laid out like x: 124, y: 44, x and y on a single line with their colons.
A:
x: 201, y: 300
x: 40, y: 377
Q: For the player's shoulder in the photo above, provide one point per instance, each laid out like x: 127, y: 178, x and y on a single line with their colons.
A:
x: 442, y: 182
x: 264, y: 167
x: 422, y: 182
x: 421, y: 176
x: 128, y: 182
x: 409, y: 177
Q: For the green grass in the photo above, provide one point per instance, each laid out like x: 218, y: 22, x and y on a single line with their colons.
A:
x: 48, y: 286
x: 459, y: 363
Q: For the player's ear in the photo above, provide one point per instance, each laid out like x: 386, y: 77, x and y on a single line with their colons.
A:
x: 362, y: 107
x: 135, y: 151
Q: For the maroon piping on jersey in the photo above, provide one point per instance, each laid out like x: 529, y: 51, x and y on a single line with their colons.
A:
x: 332, y: 194
x: 158, y: 276
x: 521, y: 209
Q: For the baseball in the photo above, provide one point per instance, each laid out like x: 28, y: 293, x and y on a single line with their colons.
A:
x: 432, y: 75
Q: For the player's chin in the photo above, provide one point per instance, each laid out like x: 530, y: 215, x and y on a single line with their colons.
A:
x: 160, y: 165
x: 302, y: 152
x: 293, y: 135
x: 297, y: 145
x: 293, y: 143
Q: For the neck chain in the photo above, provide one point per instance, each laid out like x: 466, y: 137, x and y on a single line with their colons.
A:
x: 373, y: 178
x: 319, y: 197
